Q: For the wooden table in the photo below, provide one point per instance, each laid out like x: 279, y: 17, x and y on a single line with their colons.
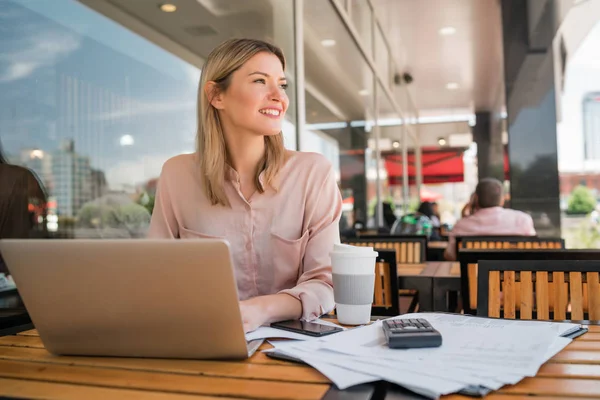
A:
x: 435, y: 250
x: 418, y: 277
x: 446, y: 279
x: 440, y: 245
x: 28, y: 370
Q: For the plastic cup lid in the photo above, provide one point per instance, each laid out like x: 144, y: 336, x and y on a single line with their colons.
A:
x: 352, y: 251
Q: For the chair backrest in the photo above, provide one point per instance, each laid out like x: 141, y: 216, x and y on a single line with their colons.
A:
x: 499, y: 243
x: 366, y: 232
x: 385, y: 297
x: 409, y: 249
x: 539, y: 289
x: 507, y: 243
x: 469, y: 260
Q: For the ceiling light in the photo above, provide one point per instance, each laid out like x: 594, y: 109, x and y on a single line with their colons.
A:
x: 452, y: 86
x: 447, y: 31
x: 395, y: 144
x: 126, y: 140
x: 363, y: 92
x: 168, y: 7
x: 328, y: 42
x: 441, y: 141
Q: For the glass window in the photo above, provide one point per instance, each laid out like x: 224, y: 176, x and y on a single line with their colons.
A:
x: 94, y: 110
x: 388, y: 168
x: 362, y: 20
x: 339, y: 103
x: 382, y: 57
x: 578, y: 130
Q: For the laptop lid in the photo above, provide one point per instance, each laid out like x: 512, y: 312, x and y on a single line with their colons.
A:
x: 131, y: 298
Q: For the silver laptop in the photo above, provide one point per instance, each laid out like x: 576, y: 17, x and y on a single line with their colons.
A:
x: 131, y: 298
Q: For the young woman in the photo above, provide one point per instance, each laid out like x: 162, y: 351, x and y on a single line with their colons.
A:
x: 278, y: 209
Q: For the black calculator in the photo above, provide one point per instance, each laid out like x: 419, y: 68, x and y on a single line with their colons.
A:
x: 410, y: 334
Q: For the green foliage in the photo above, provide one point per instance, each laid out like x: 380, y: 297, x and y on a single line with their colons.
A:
x: 147, y: 201
x: 373, y: 203
x: 131, y: 217
x: 582, y: 201
x: 586, y: 237
x: 90, y: 216
x: 413, y: 205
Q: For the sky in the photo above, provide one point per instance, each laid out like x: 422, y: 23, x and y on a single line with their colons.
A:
x: 125, y: 86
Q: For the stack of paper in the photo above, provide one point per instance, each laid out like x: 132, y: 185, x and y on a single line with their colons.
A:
x: 477, y: 354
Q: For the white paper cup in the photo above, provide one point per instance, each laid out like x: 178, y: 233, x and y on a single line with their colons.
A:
x: 353, y: 270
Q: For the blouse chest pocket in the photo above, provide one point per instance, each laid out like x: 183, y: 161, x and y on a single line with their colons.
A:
x: 287, y: 256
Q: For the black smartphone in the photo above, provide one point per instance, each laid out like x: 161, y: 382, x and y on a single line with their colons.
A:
x: 306, y: 328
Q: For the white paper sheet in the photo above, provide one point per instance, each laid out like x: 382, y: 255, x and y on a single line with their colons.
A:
x: 475, y: 351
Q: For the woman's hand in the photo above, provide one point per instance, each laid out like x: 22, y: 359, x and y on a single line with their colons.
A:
x: 263, y: 310
x: 254, y: 313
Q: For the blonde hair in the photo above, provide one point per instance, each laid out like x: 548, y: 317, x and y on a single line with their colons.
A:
x: 222, y: 62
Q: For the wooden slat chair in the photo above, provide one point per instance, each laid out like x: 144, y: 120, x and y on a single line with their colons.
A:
x: 385, y: 297
x: 503, y: 243
x: 409, y: 250
x: 507, y: 243
x: 469, y: 260
x: 498, y: 281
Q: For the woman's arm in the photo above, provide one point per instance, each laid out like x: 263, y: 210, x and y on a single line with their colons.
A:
x: 313, y: 294
x: 323, y: 212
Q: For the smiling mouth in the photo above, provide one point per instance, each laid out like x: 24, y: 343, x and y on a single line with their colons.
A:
x: 270, y: 112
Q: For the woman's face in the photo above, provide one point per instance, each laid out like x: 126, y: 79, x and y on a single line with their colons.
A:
x: 255, y: 100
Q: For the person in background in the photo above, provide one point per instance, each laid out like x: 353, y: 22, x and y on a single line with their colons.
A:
x: 489, y: 217
x: 428, y: 209
x: 469, y: 208
x: 278, y: 209
x: 22, y: 205
x: 353, y: 229
x: 388, y: 216
x: 436, y: 212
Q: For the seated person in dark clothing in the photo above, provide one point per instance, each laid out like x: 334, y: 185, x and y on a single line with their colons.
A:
x: 426, y: 208
x: 22, y: 203
x: 357, y: 225
x: 388, y: 215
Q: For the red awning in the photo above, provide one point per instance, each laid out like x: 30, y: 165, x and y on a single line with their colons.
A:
x: 438, y: 165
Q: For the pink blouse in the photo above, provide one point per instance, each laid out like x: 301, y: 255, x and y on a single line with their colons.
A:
x: 280, y: 241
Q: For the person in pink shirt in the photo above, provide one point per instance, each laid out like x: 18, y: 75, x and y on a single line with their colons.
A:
x: 278, y: 209
x: 487, y: 217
